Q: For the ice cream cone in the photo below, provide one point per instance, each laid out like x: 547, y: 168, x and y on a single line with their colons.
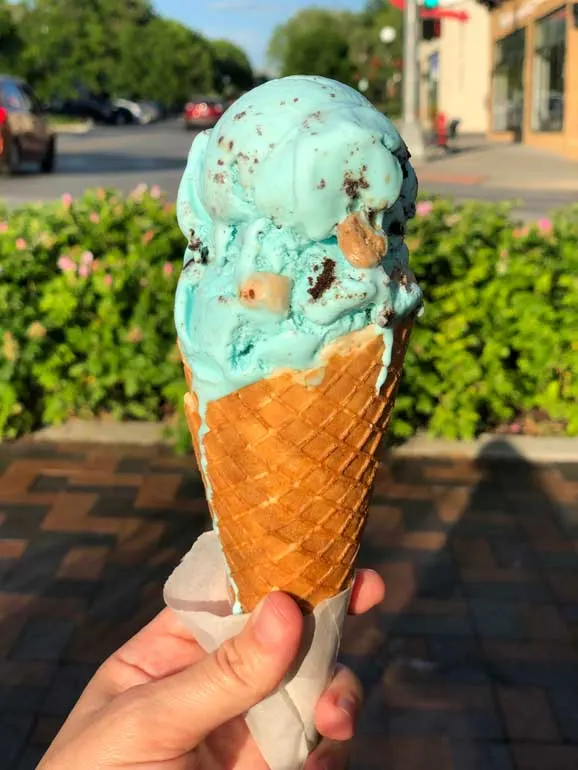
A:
x: 290, y: 462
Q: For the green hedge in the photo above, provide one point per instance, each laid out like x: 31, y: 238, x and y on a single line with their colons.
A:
x: 86, y: 317
x: 86, y: 323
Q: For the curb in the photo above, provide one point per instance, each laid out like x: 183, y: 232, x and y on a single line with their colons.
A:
x: 535, y: 449
x: 561, y: 186
x: 103, y: 432
x: 489, y: 446
x: 492, y: 183
x: 76, y: 129
x: 463, y: 180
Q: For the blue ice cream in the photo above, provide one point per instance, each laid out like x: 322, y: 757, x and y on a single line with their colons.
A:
x: 266, y: 284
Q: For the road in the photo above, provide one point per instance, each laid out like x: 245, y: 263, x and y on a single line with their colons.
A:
x: 127, y: 156
x: 120, y: 157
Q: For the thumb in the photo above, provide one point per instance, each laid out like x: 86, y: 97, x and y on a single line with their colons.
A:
x: 182, y: 709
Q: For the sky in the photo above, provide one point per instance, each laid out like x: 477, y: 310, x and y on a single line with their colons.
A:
x: 249, y: 23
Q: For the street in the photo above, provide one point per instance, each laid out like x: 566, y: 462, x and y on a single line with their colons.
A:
x: 111, y: 157
x: 156, y: 154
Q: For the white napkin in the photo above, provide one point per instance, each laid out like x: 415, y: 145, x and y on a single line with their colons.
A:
x: 283, y: 725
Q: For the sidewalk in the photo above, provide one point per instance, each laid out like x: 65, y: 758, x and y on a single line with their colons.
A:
x: 471, y: 663
x: 500, y: 166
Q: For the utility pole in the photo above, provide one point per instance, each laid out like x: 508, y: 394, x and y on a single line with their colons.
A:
x: 411, y: 128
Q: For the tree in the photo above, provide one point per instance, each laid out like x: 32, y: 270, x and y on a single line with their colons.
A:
x: 377, y: 62
x: 164, y: 61
x: 107, y: 47
x: 233, y: 71
x: 313, y: 42
x: 70, y: 45
x: 343, y: 45
x: 327, y: 55
x: 10, y: 42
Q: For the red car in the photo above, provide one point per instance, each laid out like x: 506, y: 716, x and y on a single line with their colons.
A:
x: 203, y: 112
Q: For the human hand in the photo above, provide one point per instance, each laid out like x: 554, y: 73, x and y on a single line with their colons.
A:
x: 161, y: 702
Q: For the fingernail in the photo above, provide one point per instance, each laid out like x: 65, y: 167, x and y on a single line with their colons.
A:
x: 349, y: 706
x: 269, y: 622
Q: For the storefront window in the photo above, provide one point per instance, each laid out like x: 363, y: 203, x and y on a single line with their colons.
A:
x: 508, y: 86
x: 548, y: 80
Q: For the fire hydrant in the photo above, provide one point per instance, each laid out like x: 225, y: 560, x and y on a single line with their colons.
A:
x: 441, y: 130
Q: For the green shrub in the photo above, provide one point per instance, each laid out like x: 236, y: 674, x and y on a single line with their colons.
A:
x: 86, y: 310
x: 86, y: 319
x: 499, y: 336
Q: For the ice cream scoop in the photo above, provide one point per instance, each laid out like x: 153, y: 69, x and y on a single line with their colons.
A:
x: 304, y: 180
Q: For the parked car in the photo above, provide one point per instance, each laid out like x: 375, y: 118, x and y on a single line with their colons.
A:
x: 25, y: 135
x: 154, y: 111
x: 125, y: 111
x: 94, y: 108
x: 203, y: 112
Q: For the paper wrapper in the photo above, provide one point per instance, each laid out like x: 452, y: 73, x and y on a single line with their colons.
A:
x: 283, y: 725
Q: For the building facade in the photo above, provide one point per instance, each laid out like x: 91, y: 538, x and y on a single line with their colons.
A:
x: 534, y: 74
x: 454, y: 66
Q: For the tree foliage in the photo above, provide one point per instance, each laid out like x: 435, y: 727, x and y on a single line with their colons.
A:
x: 107, y: 47
x: 343, y: 45
x: 312, y: 42
x: 10, y: 42
x: 233, y: 71
x: 309, y: 57
x: 183, y: 63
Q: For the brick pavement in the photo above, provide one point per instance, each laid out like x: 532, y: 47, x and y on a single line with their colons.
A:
x: 470, y: 664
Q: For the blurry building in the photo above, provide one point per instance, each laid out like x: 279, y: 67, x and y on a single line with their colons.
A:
x: 454, y: 64
x: 534, y: 73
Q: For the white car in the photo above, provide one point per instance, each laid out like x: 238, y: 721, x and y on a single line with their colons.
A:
x: 125, y: 111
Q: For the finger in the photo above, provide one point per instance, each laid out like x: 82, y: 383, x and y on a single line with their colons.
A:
x: 163, y: 647
x: 368, y: 591
x: 160, y: 649
x: 330, y: 755
x: 185, y: 707
x: 339, y: 705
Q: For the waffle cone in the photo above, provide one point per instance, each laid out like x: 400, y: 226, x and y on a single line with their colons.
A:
x: 290, y: 461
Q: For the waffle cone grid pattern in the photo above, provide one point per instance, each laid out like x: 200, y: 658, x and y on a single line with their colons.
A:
x: 291, y: 468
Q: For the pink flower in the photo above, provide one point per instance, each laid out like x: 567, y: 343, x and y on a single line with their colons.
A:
x: 156, y: 191
x: 3, y: 227
x: 139, y: 190
x: 424, y: 208
x: 168, y: 269
x: 93, y: 216
x: 515, y: 427
x: 545, y: 225
x: 108, y: 280
x: 66, y: 200
x: 84, y: 271
x: 101, y: 193
x: 135, y: 335
x: 21, y: 244
x: 66, y: 264
x: 148, y: 236
x: 87, y: 258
